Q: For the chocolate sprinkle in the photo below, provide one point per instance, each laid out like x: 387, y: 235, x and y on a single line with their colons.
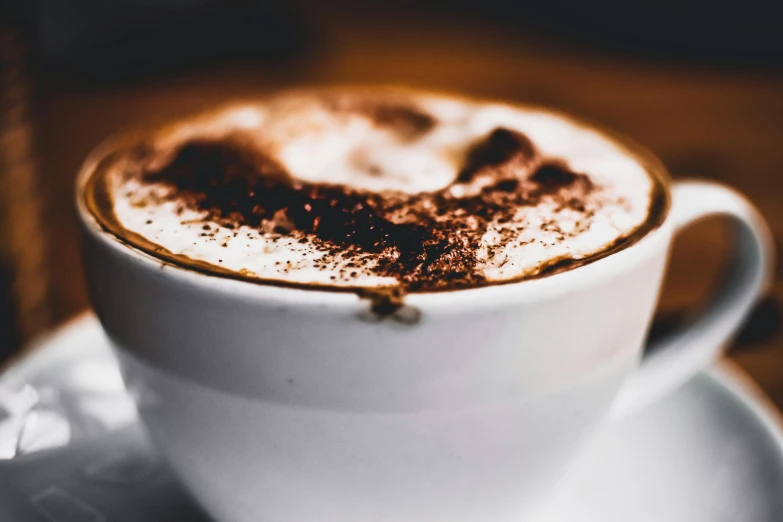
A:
x: 425, y: 241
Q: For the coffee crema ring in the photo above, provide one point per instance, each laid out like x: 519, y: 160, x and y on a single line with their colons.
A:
x: 382, y: 193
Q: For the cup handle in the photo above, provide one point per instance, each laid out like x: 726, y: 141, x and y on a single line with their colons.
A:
x: 670, y: 361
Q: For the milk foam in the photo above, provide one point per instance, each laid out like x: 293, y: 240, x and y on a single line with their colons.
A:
x: 323, y: 142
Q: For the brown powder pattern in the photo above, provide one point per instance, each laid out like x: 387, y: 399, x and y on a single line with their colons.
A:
x: 425, y: 241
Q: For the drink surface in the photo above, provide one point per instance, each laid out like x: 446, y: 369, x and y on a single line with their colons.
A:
x: 343, y: 189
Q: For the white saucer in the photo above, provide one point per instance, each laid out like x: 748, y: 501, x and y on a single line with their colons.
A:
x: 72, y: 451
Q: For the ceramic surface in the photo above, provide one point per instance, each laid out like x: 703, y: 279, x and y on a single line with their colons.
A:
x: 711, y: 452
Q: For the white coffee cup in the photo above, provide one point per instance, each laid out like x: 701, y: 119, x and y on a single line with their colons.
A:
x: 288, y: 405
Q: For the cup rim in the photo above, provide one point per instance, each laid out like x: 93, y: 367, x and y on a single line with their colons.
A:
x: 450, y: 299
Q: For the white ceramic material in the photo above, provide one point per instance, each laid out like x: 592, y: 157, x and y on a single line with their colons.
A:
x: 710, y: 452
x: 283, y: 404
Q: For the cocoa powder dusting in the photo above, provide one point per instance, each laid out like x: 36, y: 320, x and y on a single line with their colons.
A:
x: 426, y: 241
x: 400, y: 116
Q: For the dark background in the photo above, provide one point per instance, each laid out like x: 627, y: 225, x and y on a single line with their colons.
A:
x: 700, y: 83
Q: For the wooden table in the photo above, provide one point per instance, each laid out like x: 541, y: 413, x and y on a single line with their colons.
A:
x: 716, y: 124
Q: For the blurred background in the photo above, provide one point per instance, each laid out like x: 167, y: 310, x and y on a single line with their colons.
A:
x: 700, y: 84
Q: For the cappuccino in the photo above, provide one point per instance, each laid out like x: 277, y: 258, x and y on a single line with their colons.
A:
x: 286, y: 397
x: 363, y: 190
